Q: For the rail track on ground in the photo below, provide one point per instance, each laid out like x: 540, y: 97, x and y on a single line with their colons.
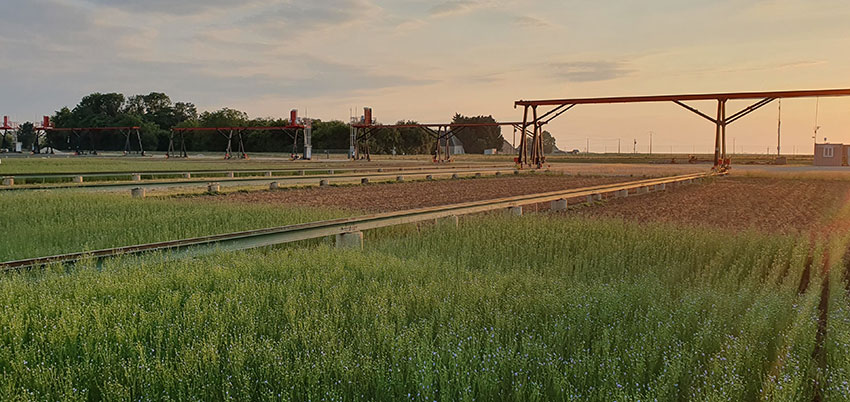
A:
x: 284, y: 177
x: 304, y: 231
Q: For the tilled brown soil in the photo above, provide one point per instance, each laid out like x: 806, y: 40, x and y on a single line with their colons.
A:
x: 383, y: 197
x: 742, y: 203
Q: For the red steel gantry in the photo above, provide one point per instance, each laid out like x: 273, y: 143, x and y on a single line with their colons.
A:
x: 533, y: 155
x: 78, y: 134
x: 441, y: 132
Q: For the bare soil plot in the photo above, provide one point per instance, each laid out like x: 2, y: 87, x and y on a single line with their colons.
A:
x: 739, y: 203
x: 408, y: 195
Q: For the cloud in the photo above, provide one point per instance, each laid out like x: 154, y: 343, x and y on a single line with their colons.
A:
x: 453, y: 8
x: 292, y: 17
x: 171, y: 7
x: 590, y: 71
x: 531, y: 22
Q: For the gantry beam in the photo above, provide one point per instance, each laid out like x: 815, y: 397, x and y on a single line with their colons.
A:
x: 536, y: 157
x: 177, y: 139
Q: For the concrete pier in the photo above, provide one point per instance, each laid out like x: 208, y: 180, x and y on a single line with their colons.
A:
x: 136, y: 177
x: 399, y: 179
x: 213, y: 188
x: 429, y: 177
x: 137, y: 192
x: 455, y: 176
x: 8, y: 181
x: 516, y: 211
x: 187, y: 175
x: 78, y: 179
x: 274, y: 185
x: 268, y: 174
x: 323, y: 183
x: 230, y: 174
x: 364, y: 180
x: 559, y: 205
x: 349, y: 240
x: 622, y: 193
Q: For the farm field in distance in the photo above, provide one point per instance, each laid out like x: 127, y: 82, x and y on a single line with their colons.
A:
x: 664, y: 295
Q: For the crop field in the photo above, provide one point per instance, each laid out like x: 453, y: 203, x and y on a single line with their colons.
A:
x: 662, y: 296
x: 43, y: 165
x: 39, y: 224
x: 539, y: 309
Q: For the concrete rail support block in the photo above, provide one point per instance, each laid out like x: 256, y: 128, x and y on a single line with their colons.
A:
x: 213, y: 188
x: 429, y: 177
x: 590, y: 199
x: 559, y: 205
x: 268, y: 174
x: 323, y: 183
x: 516, y: 211
x: 516, y: 171
x: 478, y: 175
x: 136, y: 177
x: 187, y: 175
x: 78, y: 179
x: 301, y: 173
x: 138, y: 192
x: 331, y: 171
x: 274, y: 185
x: 498, y: 173
x: 399, y: 179
x: 597, y: 197
x: 643, y: 190
x: 364, y: 180
x: 448, y: 220
x: 661, y: 187
x: 8, y: 181
x: 349, y: 240
x: 380, y: 170
x: 230, y: 174
x: 622, y: 193
x: 455, y: 176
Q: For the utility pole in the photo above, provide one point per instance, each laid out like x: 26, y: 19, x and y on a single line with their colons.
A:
x: 634, y: 150
x: 587, y: 146
x: 779, y: 130
x: 650, y: 142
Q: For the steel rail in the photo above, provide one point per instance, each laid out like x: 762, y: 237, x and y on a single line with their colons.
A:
x: 294, y: 179
x: 304, y: 231
x: 327, y: 167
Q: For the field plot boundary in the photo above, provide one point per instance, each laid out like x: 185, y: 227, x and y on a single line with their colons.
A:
x: 292, y: 233
x: 297, y: 174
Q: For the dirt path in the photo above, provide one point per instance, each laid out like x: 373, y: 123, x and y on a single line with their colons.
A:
x: 401, y: 196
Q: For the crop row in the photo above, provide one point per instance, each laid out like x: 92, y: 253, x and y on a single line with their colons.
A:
x: 500, y: 308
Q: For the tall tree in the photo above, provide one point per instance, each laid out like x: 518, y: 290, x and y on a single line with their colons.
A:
x: 548, y: 143
x: 476, y: 139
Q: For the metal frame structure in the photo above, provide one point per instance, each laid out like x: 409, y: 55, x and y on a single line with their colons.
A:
x: 532, y: 154
x: 178, y: 138
x: 442, y: 132
x: 79, y: 132
x: 4, y: 130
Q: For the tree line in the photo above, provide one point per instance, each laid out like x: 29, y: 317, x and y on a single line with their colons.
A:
x: 157, y: 115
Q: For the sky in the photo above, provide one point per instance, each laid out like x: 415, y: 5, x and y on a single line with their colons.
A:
x: 427, y: 60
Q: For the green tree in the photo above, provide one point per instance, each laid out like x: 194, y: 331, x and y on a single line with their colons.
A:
x: 548, y: 143
x: 476, y: 139
x: 26, y: 135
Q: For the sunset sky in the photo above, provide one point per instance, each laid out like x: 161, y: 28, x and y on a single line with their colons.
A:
x: 426, y: 60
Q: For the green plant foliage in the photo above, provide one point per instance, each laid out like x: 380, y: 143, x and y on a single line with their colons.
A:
x: 501, y: 308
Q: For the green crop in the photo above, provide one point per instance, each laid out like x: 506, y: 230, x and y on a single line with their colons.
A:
x: 37, y: 224
x: 530, y: 308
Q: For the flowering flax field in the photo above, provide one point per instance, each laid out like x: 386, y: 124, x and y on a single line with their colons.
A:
x: 501, y: 308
